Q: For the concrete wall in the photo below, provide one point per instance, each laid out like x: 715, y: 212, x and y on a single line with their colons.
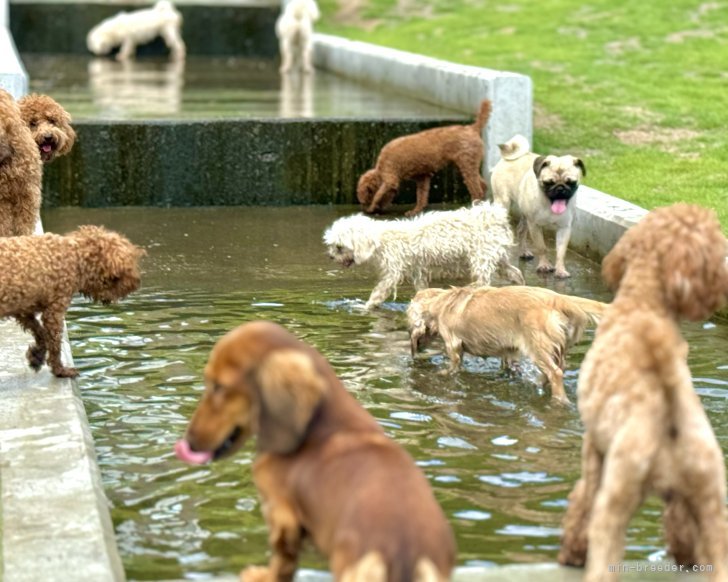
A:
x: 230, y: 162
x: 458, y: 87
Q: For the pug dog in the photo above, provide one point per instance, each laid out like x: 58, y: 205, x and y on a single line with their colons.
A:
x: 543, y: 190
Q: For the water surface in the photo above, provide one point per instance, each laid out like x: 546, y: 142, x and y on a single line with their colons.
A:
x: 500, y: 457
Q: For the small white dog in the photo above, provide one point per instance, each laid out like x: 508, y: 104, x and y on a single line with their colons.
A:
x: 294, y: 29
x: 543, y: 188
x: 470, y: 241
x: 130, y: 29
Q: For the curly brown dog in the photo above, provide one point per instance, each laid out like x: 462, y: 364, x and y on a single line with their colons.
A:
x: 324, y: 467
x: 40, y: 275
x: 417, y: 157
x: 506, y: 322
x: 645, y: 428
x: 20, y: 172
x: 50, y: 125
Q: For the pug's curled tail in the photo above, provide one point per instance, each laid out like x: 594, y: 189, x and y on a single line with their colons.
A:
x: 514, y: 148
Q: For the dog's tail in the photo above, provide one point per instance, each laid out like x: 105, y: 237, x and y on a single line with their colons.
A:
x: 580, y: 312
x: 514, y: 148
x: 486, y: 107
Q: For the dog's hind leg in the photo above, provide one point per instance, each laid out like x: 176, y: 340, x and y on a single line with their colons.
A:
x: 36, y: 353
x: 574, y: 540
x: 681, y: 530
x: 628, y: 462
x: 423, y: 195
x: 286, y: 49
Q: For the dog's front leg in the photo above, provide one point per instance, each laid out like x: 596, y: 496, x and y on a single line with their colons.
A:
x: 285, y: 46
x: 176, y: 46
x: 562, y: 243
x: 454, y: 350
x: 384, y: 189
x: 53, y: 324
x: 423, y: 195
x: 384, y: 289
x: 36, y: 352
x: 544, y: 266
x: 128, y: 48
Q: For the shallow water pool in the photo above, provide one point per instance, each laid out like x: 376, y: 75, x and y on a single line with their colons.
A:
x: 500, y: 457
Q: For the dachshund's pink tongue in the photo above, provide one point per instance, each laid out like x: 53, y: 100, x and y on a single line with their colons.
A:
x: 558, y: 206
x: 185, y: 453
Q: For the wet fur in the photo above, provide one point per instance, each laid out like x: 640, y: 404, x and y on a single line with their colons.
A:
x: 49, y: 123
x: 506, y: 322
x: 20, y: 172
x: 39, y: 275
x: 419, y: 156
x: 324, y: 468
x: 294, y: 29
x: 470, y: 241
x: 645, y: 429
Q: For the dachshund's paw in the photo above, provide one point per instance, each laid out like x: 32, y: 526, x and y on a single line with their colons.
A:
x: 255, y: 574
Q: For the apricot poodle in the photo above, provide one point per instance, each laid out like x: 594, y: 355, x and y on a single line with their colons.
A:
x: 40, y: 275
x: 50, y: 125
x: 645, y: 428
x: 417, y: 157
x: 21, y: 172
x: 324, y: 468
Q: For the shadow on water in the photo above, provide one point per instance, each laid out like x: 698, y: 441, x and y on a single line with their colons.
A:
x: 500, y: 457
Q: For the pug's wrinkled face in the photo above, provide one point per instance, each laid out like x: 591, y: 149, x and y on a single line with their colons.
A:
x: 558, y: 179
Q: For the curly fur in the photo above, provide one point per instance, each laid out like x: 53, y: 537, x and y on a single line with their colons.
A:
x: 40, y: 275
x: 419, y: 156
x: 130, y: 29
x: 645, y: 428
x: 506, y: 322
x: 20, y: 172
x: 294, y: 29
x: 469, y: 241
x: 50, y: 125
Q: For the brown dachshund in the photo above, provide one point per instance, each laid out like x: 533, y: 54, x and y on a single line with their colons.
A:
x: 324, y: 467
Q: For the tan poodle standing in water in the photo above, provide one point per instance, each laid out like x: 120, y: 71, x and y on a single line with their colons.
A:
x: 645, y: 428
x: 40, y: 275
x: 50, y: 125
x: 20, y: 172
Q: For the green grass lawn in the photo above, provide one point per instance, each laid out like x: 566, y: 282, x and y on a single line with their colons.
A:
x: 638, y: 89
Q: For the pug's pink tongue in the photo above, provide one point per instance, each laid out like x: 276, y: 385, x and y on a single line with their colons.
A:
x: 558, y: 206
x: 185, y: 453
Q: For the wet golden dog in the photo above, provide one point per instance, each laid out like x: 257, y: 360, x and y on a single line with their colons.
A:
x: 506, y: 322
x: 324, y: 467
x: 50, y: 125
x: 645, y: 428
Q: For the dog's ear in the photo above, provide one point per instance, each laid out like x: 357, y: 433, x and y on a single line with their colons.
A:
x: 539, y: 163
x: 364, y: 245
x: 579, y: 163
x: 70, y: 138
x: 290, y: 390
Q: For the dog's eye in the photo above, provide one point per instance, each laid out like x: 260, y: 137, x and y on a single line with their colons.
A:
x: 570, y: 182
x: 548, y: 183
x: 52, y: 121
x: 33, y: 124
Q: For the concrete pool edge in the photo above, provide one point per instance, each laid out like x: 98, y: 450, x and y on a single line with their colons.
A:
x: 54, y: 515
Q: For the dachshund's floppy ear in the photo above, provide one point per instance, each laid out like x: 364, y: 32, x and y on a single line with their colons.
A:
x: 290, y: 390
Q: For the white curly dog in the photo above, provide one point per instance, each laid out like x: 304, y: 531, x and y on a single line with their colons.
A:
x: 470, y: 241
x: 130, y: 29
x: 294, y: 29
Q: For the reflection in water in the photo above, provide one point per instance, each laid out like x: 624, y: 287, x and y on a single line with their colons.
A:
x: 296, y: 98
x: 499, y: 455
x: 129, y: 88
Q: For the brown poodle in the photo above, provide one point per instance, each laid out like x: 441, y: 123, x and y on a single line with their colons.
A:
x: 417, y: 157
x: 50, y: 125
x: 645, y: 428
x: 40, y: 275
x: 20, y: 172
